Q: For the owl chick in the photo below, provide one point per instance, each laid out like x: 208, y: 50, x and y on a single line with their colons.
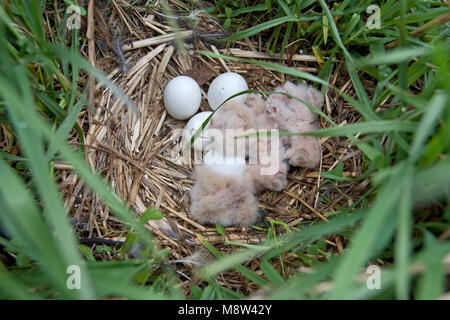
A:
x: 294, y: 116
x: 237, y: 115
x: 269, y: 170
x: 228, y: 200
x: 264, y: 153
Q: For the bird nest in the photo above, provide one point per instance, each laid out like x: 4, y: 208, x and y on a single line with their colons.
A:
x: 135, y: 155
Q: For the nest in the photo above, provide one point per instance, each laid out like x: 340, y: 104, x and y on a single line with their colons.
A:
x: 135, y: 154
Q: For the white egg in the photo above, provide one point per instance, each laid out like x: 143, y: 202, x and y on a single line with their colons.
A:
x: 224, y: 165
x: 224, y: 86
x: 193, y: 125
x: 182, y: 97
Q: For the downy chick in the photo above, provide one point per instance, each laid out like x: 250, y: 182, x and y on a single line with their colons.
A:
x: 228, y: 200
x: 294, y: 116
x: 264, y: 153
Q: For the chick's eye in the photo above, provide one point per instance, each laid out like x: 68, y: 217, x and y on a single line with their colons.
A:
x: 271, y: 109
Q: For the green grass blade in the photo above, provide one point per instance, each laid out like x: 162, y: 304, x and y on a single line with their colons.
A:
x: 366, y: 239
x: 25, y: 223
x: 381, y: 126
x: 431, y: 283
x: 12, y: 289
x: 403, y: 241
x: 334, y: 30
x: 233, y: 261
x: 426, y: 126
x: 271, y: 274
x: 393, y: 56
x: 258, y: 28
x: 32, y: 145
x: 364, y: 107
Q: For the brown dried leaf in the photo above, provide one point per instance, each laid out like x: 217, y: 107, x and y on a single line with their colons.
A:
x: 201, y: 73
